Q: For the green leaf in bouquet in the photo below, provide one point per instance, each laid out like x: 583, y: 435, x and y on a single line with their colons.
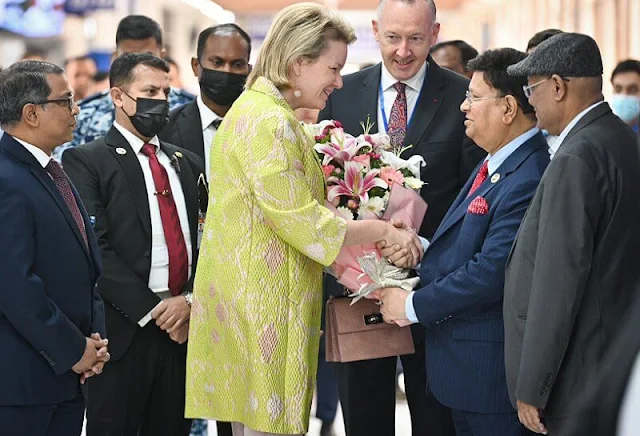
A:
x: 376, y: 163
x: 377, y: 192
x: 406, y: 172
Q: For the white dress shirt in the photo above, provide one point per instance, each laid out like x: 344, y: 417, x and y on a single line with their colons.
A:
x: 207, y: 117
x: 554, y: 146
x: 493, y: 163
x: 389, y: 93
x: 42, y: 157
x: 159, y: 273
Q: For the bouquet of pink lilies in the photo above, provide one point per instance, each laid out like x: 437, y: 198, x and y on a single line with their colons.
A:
x: 360, y: 171
x: 367, y: 179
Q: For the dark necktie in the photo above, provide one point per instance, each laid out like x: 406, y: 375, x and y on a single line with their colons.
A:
x: 216, y: 123
x: 178, y: 257
x: 397, y: 127
x: 480, y: 177
x: 64, y: 187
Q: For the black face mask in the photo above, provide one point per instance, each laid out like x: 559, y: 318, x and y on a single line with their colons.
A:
x: 221, y: 87
x: 152, y: 115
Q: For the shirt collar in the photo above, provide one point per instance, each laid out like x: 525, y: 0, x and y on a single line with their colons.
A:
x: 207, y: 116
x: 497, y: 159
x: 42, y: 157
x: 415, y: 83
x: 135, y: 142
x: 556, y: 145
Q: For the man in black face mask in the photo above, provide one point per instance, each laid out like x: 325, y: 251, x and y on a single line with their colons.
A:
x: 221, y: 66
x: 142, y: 198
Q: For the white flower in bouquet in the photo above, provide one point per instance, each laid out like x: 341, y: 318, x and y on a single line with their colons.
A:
x: 318, y: 129
x: 374, y: 204
x: 381, y: 141
x: 412, y: 164
x: 413, y: 183
x: 345, y: 213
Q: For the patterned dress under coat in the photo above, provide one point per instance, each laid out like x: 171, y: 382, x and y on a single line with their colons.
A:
x: 255, y: 322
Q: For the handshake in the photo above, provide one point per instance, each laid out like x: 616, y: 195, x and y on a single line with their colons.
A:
x: 402, y: 246
x: 93, y: 359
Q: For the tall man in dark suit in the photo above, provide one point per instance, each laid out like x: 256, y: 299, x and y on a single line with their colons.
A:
x: 572, y: 270
x: 417, y: 103
x: 459, y: 300
x: 51, y: 319
x: 143, y: 195
x: 221, y: 66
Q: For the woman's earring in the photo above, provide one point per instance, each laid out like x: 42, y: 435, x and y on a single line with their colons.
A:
x: 297, y: 93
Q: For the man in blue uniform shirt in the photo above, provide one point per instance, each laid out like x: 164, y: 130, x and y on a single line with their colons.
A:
x: 135, y: 34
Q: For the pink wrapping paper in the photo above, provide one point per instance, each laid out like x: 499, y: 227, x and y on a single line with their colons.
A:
x: 405, y: 205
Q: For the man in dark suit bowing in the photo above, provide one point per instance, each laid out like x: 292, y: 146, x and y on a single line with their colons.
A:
x: 221, y: 66
x: 459, y: 299
x: 417, y: 103
x: 143, y: 195
x: 572, y: 271
x: 51, y: 319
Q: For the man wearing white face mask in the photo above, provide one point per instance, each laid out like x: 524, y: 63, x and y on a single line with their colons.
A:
x: 625, y: 102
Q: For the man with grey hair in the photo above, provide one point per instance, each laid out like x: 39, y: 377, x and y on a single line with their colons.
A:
x: 571, y: 273
x: 51, y: 320
x: 416, y: 102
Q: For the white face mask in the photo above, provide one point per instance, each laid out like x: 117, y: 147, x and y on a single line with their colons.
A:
x: 627, y: 107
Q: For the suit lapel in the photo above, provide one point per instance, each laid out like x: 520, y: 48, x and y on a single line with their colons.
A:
x: 44, y: 178
x: 369, y: 97
x: 132, y: 170
x: 507, y: 167
x: 190, y: 192
x: 588, y: 118
x: 190, y: 130
x: 15, y: 148
x: 430, y: 100
x: 92, y: 241
x: 462, y: 195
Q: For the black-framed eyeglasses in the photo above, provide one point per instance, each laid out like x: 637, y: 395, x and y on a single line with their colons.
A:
x: 68, y: 101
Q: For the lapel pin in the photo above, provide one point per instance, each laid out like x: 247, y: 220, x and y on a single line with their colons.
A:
x: 495, y: 178
x: 121, y: 151
x: 178, y: 155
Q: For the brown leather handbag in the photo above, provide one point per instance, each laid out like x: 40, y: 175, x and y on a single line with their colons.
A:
x: 358, y: 332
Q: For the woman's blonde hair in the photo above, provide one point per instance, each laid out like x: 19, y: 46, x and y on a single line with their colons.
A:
x: 298, y: 31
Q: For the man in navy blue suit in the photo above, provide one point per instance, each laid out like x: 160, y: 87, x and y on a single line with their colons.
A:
x: 51, y: 320
x: 462, y: 272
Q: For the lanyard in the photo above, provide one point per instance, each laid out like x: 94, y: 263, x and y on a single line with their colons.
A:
x: 385, y: 121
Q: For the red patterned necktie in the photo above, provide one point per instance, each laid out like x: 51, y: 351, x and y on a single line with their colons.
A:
x: 397, y: 128
x: 480, y: 177
x: 64, y: 187
x: 178, y: 257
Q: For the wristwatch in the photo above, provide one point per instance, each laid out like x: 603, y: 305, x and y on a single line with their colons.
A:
x: 188, y: 297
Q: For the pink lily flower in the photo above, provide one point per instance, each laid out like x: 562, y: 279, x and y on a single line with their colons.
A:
x: 342, y: 151
x: 354, y: 183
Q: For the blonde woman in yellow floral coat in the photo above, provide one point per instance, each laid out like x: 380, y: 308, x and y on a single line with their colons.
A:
x: 255, y: 321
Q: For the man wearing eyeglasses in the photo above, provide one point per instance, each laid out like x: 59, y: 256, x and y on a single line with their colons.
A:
x: 416, y: 102
x: 572, y: 271
x: 459, y: 300
x: 51, y: 320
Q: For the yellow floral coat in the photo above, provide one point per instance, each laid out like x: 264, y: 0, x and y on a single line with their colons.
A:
x: 255, y: 321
